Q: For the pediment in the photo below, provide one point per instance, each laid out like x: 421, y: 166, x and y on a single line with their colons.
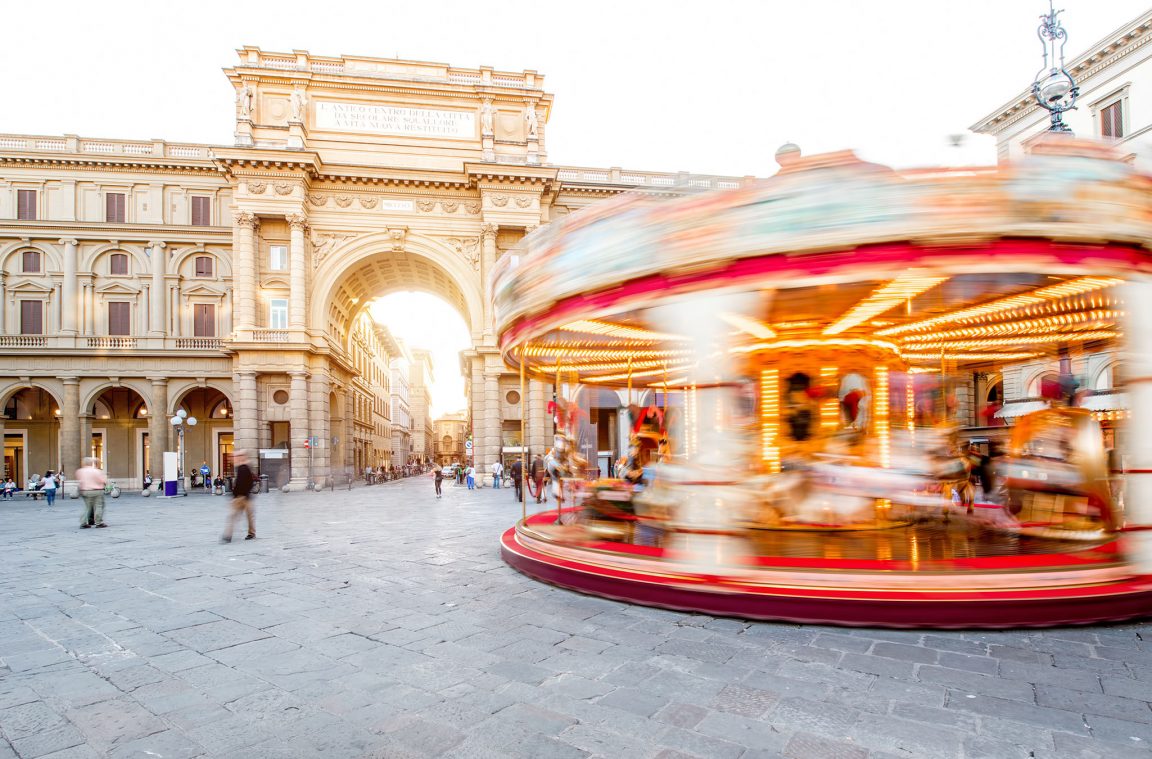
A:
x: 29, y: 286
x: 204, y: 291
x: 117, y: 288
x: 274, y: 282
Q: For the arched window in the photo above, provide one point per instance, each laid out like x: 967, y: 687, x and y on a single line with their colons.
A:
x: 32, y: 263
x: 118, y: 264
x: 1036, y: 386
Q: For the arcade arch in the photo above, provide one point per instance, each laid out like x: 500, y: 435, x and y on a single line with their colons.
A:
x: 31, y: 433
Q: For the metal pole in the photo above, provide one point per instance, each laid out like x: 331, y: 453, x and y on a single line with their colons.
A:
x: 523, y: 444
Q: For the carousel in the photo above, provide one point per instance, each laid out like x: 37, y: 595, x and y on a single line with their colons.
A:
x: 796, y: 360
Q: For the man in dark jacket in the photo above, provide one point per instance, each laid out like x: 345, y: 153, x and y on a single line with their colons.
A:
x: 241, y: 498
x: 516, y: 472
x: 538, y: 471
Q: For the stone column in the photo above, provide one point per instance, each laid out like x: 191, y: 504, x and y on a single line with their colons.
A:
x: 70, y: 427
x: 70, y: 304
x: 1137, y: 451
x: 540, y: 431
x: 244, y: 271
x: 487, y: 261
x: 246, y: 423
x: 3, y: 309
x: 479, y: 423
x: 300, y: 430
x: 297, y: 297
x: 156, y: 296
x: 319, y: 413
x: 158, y: 430
x: 348, y: 443
x: 492, y: 425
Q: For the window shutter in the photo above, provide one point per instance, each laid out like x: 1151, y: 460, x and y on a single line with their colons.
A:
x: 118, y: 263
x: 26, y: 205
x: 31, y: 317
x: 201, y: 211
x: 114, y: 207
x: 203, y: 266
x: 31, y: 262
x: 119, y: 318
x: 204, y: 320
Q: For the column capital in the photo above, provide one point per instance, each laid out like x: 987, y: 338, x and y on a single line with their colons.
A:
x: 70, y: 380
x: 69, y: 241
x: 297, y: 221
x: 244, y: 219
x: 488, y: 231
x: 157, y: 244
x: 158, y: 380
x: 246, y: 374
x: 299, y: 374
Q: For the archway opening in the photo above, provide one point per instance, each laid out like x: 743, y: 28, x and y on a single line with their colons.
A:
x: 208, y: 445
x: 118, y: 436
x: 427, y: 375
x: 31, y: 434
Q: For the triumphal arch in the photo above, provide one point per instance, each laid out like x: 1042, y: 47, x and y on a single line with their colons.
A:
x: 139, y: 278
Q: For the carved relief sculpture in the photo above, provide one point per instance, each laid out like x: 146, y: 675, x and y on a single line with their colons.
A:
x: 472, y: 207
x: 449, y: 206
x: 257, y: 188
x: 322, y: 245
x: 244, y: 103
x: 297, y: 220
x: 487, y: 117
x: 318, y: 200
x: 500, y: 200
x: 368, y: 202
x: 298, y: 102
x: 530, y: 122
x: 397, y: 235
x: 283, y: 188
x: 425, y: 205
x: 523, y: 201
x: 468, y: 247
x: 343, y: 200
x: 244, y: 219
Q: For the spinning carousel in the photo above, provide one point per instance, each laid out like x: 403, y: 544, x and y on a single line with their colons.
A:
x: 800, y: 357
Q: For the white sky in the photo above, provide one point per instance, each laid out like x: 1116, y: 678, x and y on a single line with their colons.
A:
x: 425, y: 321
x: 662, y: 85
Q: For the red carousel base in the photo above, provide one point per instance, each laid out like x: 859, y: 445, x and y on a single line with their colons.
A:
x: 883, y: 582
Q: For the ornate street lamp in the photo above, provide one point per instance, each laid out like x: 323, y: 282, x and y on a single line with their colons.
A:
x: 180, y: 421
x: 1054, y: 88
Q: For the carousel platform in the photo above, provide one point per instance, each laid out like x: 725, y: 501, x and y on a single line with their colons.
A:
x: 930, y: 574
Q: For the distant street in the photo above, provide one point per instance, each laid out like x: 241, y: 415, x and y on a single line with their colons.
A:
x: 382, y: 623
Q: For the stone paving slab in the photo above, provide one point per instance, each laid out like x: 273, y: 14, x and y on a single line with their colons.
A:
x: 381, y: 622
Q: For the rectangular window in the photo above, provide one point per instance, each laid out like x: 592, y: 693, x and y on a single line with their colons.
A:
x: 118, y: 264
x: 278, y: 313
x: 203, y: 266
x: 1112, y: 120
x: 119, y: 318
x: 204, y: 320
x: 201, y: 211
x: 31, y: 317
x: 278, y: 257
x: 114, y: 207
x: 26, y: 205
x: 30, y: 262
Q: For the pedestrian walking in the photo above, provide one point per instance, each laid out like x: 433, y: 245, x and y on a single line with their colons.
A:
x: 49, y: 488
x: 470, y: 477
x: 241, y: 498
x: 438, y: 476
x: 516, y: 472
x: 90, y: 480
x: 537, y: 472
x: 497, y: 474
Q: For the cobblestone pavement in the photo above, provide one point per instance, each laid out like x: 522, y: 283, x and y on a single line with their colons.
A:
x: 382, y: 623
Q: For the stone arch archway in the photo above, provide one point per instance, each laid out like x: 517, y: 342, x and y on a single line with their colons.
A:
x: 373, y: 265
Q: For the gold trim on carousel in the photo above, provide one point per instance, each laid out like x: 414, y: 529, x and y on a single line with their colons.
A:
x: 884, y: 298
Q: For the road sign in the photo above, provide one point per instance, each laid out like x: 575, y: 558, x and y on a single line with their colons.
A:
x: 467, y: 445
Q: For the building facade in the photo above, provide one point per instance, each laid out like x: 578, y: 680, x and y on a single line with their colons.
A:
x: 420, y: 379
x: 451, y: 431
x: 139, y: 277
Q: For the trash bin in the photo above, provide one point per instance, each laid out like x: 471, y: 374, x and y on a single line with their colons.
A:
x: 263, y: 483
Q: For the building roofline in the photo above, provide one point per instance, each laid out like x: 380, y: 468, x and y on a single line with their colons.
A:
x: 1107, y: 45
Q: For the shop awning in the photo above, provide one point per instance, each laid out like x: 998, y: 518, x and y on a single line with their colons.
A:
x: 1020, y: 408
x: 1106, y: 402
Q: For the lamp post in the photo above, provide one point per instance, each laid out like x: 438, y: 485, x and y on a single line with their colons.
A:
x: 1054, y: 88
x: 180, y: 421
